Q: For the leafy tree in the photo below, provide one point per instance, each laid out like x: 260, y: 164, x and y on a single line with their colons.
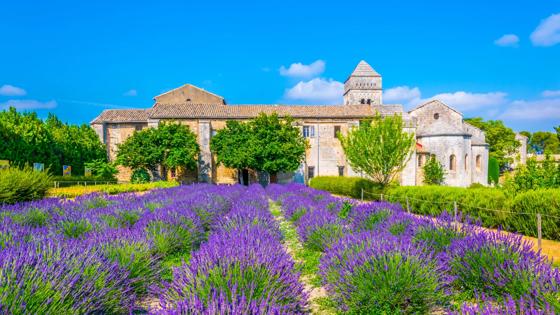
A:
x: 26, y: 139
x: 493, y: 171
x: 545, y: 142
x: 434, y: 173
x: 557, y: 129
x: 278, y: 146
x: 266, y: 143
x: 379, y: 147
x: 500, y: 138
x: 102, y: 168
x: 534, y: 175
x: 168, y: 146
x: 233, y: 145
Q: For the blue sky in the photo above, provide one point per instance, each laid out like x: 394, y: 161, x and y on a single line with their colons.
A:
x: 495, y: 59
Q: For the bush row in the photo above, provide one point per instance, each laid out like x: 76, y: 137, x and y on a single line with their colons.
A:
x: 347, y: 186
x: 75, y: 191
x: 517, y: 214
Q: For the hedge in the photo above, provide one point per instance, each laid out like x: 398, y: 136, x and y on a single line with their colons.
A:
x: 25, y: 184
x: 433, y: 200
x: 516, y: 214
x: 347, y: 186
x: 526, y: 205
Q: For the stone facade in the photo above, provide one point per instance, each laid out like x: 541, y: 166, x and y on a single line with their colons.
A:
x: 439, y: 129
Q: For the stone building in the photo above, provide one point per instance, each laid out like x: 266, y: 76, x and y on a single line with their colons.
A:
x: 440, y: 131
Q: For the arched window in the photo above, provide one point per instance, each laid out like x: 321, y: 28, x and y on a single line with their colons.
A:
x: 466, y: 162
x: 369, y: 101
x: 478, y: 162
x: 452, y: 162
x: 363, y: 101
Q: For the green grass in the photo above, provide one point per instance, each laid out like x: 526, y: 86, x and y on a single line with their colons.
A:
x: 307, y: 260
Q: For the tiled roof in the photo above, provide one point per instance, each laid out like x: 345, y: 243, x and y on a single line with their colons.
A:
x: 218, y: 111
x: 122, y: 115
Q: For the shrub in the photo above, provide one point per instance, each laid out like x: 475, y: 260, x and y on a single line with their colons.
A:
x: 75, y: 229
x: 25, y: 184
x: 140, y: 176
x: 347, y: 186
x: 368, y: 273
x: 74, y: 191
x: 437, y: 238
x: 493, y: 171
x: 499, y: 265
x: 526, y: 206
x: 433, y: 172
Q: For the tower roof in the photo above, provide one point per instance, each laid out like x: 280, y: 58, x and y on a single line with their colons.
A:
x: 363, y: 69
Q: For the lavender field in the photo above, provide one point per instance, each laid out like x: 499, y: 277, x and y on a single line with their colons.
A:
x: 205, y: 249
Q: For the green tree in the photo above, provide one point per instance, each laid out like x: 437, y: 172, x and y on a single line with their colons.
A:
x: 501, y: 139
x: 545, y: 142
x: 233, y: 145
x: 266, y: 143
x: 102, y: 168
x: 379, y: 147
x: 168, y: 146
x: 277, y: 144
x: 434, y: 174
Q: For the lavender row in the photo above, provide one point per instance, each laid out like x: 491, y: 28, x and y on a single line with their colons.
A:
x: 241, y: 269
x: 379, y: 259
x: 101, y: 254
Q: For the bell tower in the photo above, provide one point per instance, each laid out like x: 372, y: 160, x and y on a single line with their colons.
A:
x: 363, y: 86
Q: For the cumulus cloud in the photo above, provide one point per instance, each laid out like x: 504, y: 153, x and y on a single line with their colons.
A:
x: 132, y: 92
x: 402, y: 94
x: 551, y: 93
x: 299, y: 70
x: 10, y: 90
x: 533, y: 110
x: 467, y: 101
x: 28, y: 104
x: 548, y: 32
x: 315, y: 91
x: 507, y: 40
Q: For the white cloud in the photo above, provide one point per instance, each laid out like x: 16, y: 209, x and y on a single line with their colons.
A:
x: 467, y: 101
x: 299, y: 70
x: 28, y: 104
x: 132, y: 92
x: 548, y: 32
x: 551, y: 93
x: 507, y: 40
x: 402, y: 94
x: 533, y: 110
x: 10, y: 90
x: 317, y: 91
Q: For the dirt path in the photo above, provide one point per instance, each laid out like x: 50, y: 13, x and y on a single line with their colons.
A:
x: 294, y: 247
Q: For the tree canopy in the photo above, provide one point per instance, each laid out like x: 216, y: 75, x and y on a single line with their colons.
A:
x: 500, y: 138
x: 266, y: 143
x: 434, y: 174
x: 26, y: 139
x: 379, y: 147
x: 169, y: 146
x: 542, y: 142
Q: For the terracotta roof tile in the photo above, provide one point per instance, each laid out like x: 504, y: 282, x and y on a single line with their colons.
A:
x: 122, y: 115
x: 218, y: 111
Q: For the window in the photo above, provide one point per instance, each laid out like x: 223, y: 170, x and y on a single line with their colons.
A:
x: 341, y: 171
x: 420, y: 160
x: 310, y: 172
x: 369, y: 101
x: 308, y: 131
x: 478, y: 162
x: 452, y: 163
x: 436, y: 116
x: 213, y: 132
x: 466, y: 161
x: 138, y: 127
x: 173, y: 173
x: 363, y: 101
x: 336, y: 131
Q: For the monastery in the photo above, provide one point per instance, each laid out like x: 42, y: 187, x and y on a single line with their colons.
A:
x: 440, y: 131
